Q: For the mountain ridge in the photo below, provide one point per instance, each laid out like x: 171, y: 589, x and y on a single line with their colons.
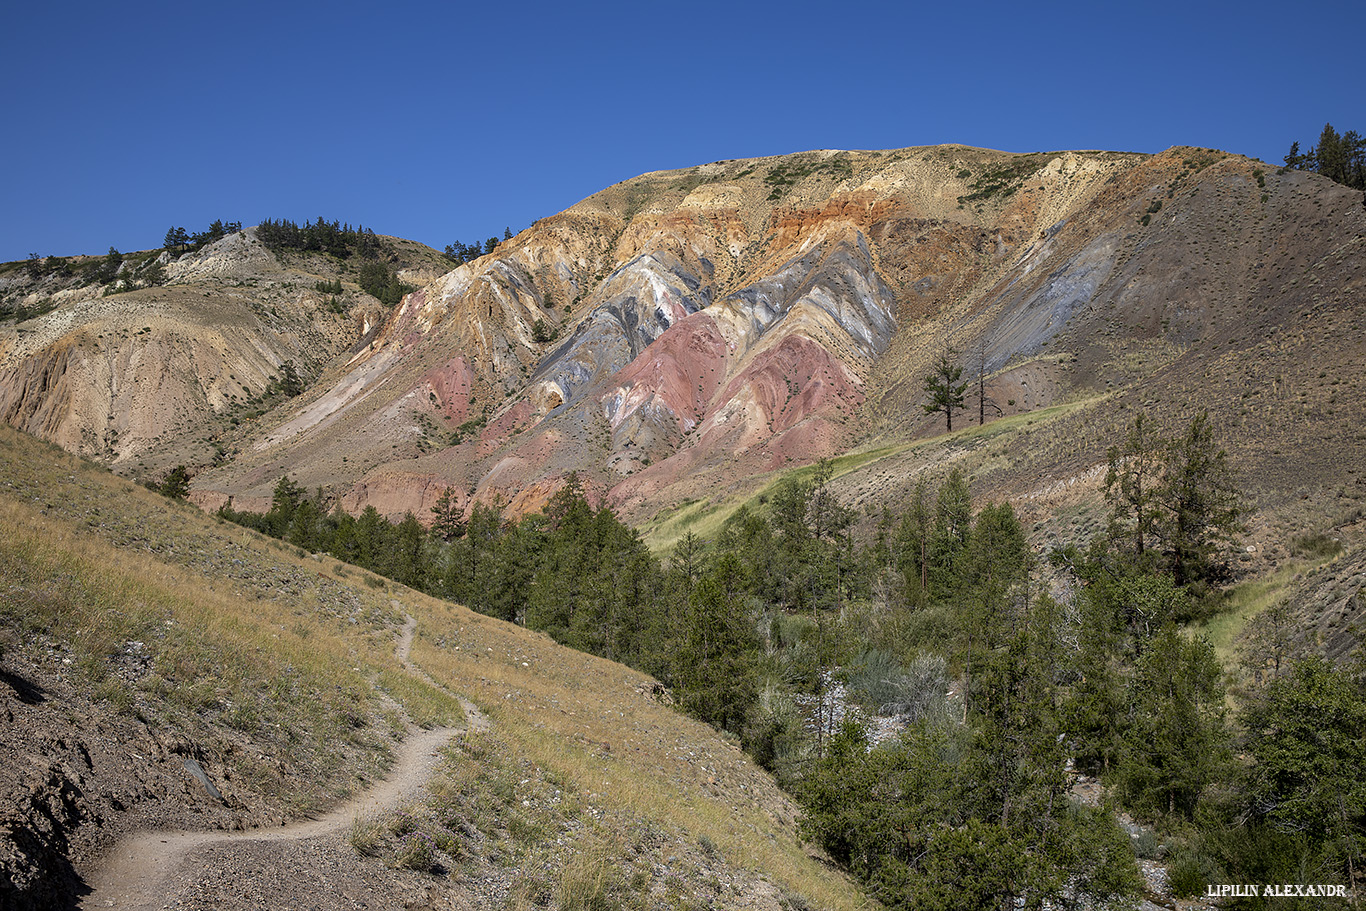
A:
x: 687, y: 342
x: 685, y: 330
x: 695, y: 250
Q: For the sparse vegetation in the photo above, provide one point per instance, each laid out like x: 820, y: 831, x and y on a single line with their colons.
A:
x: 543, y: 332
x: 178, y: 240
x: 784, y: 175
x: 463, y: 253
x: 296, y: 662
x: 209, y: 655
x: 809, y: 613
x: 1003, y: 180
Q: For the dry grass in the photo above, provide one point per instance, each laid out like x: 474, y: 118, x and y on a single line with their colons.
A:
x: 197, y: 627
x: 152, y: 639
x: 252, y: 640
x: 587, y: 722
x: 1248, y: 599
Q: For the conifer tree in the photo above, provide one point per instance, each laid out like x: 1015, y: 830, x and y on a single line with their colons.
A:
x: 1304, y: 736
x: 176, y: 484
x: 1130, y: 487
x: 946, y: 393
x: 1202, y: 514
x: 913, y: 544
x: 1175, y: 744
x: 447, y: 516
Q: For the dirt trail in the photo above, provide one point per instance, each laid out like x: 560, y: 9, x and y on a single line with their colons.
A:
x: 132, y: 874
x: 476, y: 719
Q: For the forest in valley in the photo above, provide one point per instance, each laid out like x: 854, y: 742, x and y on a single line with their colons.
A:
x: 802, y: 626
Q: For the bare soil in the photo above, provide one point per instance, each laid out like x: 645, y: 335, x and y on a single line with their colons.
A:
x: 192, y: 869
x: 179, y: 869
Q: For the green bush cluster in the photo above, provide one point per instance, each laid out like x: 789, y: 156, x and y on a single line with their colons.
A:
x: 1003, y: 180
x: 781, y: 177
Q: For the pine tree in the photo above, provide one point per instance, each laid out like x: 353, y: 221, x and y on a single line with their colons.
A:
x: 176, y: 484
x: 289, y: 381
x: 913, y: 544
x: 283, y: 502
x: 447, y: 517
x: 715, y: 648
x: 409, y: 563
x: 984, y: 402
x: 303, y: 528
x: 1175, y: 744
x: 944, y: 389
x: 1330, y: 156
x: 1131, y: 486
x: 950, y: 533
x: 1202, y: 513
x: 176, y: 239
x: 1174, y: 504
x: 1304, y: 737
x: 1294, y: 159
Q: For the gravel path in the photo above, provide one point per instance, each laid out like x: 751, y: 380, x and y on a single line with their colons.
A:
x: 179, y: 869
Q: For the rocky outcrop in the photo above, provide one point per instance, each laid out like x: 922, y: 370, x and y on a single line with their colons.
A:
x: 155, y: 376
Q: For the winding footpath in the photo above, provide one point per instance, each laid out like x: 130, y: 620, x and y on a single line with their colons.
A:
x: 133, y: 871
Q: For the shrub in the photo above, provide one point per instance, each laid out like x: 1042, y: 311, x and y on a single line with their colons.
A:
x: 366, y: 836
x: 543, y: 332
x: 417, y: 851
x: 1317, y: 546
x: 885, y: 686
x: 1190, y: 870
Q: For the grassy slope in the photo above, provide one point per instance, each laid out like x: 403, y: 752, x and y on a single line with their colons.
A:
x: 705, y: 518
x: 1008, y: 457
x: 251, y: 641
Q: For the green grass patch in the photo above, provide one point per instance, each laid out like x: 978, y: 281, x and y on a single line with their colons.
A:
x: 704, y: 518
x: 427, y: 705
x: 1248, y: 599
x: 1022, y: 421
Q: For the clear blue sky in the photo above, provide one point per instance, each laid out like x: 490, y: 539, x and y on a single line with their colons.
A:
x: 444, y: 122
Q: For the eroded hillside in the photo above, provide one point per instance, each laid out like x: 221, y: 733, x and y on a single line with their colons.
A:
x: 684, y: 334
x: 144, y: 374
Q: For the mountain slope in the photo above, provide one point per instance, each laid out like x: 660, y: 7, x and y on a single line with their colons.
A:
x: 684, y: 334
x: 146, y: 377
x: 720, y: 322
x: 162, y: 670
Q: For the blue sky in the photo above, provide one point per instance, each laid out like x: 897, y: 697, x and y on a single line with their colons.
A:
x: 445, y: 122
